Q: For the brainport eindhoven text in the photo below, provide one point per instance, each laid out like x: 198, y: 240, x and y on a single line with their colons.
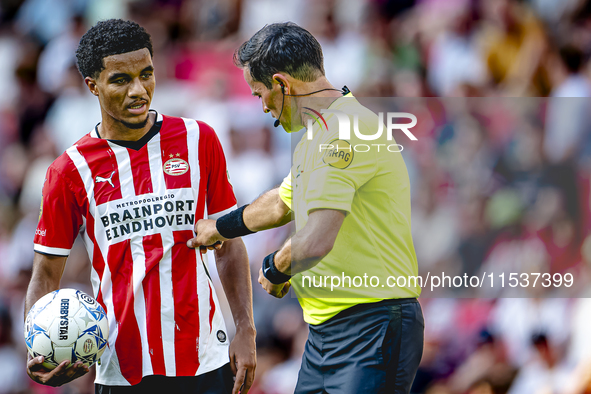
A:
x: 147, y: 215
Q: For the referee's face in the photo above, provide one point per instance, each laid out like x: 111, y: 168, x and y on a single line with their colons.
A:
x: 125, y: 88
x: 271, y: 99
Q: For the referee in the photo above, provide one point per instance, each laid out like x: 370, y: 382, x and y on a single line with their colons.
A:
x: 352, y: 213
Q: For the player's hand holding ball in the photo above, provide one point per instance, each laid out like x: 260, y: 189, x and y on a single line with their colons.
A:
x: 66, y: 332
x: 58, y: 376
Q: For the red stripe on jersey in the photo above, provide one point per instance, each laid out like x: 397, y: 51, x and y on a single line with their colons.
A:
x: 202, y: 194
x: 211, y: 306
x: 64, y: 204
x: 103, y: 166
x: 214, y: 184
x: 140, y: 170
x: 129, y: 343
x: 186, y: 305
x: 99, y: 299
x: 151, y: 284
x: 175, y: 154
x: 205, y: 133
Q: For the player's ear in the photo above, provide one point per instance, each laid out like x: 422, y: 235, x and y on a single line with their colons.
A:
x: 91, y: 83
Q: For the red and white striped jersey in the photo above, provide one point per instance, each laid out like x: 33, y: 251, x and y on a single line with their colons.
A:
x: 135, y: 208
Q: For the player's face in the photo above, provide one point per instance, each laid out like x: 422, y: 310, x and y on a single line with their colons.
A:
x: 125, y: 87
x: 271, y: 99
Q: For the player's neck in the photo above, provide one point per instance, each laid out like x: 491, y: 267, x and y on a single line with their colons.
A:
x: 113, y: 129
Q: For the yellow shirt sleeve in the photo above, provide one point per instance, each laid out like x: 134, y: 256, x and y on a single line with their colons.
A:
x: 285, y: 190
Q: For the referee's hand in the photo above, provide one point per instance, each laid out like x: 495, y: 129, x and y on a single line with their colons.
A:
x: 278, y: 291
x: 206, y: 235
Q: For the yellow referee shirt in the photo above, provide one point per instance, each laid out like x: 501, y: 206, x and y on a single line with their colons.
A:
x: 373, y: 257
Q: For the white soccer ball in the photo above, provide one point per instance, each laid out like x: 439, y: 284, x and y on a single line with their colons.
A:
x: 66, y: 324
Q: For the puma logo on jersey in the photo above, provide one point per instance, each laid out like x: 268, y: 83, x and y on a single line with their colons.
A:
x: 100, y: 179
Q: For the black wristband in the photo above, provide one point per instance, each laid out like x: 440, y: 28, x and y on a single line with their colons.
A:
x: 232, y: 224
x: 271, y: 272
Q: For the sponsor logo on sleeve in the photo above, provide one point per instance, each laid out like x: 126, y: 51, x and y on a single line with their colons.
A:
x: 339, y: 154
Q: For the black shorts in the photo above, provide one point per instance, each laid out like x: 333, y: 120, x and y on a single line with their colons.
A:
x: 369, y: 348
x: 218, y: 381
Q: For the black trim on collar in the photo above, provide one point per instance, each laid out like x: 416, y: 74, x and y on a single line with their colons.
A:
x: 139, y: 144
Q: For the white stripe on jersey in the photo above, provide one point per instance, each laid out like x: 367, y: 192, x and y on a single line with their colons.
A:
x: 202, y: 279
x: 54, y: 251
x: 139, y: 306
x: 155, y: 162
x: 203, y: 298
x: 213, y: 355
x: 167, y: 309
x: 210, y: 356
x: 86, y: 175
x: 222, y: 213
x: 95, y: 279
x: 165, y: 266
x: 193, y: 140
x: 124, y: 169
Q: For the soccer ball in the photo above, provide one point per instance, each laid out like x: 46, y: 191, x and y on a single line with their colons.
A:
x: 66, y: 324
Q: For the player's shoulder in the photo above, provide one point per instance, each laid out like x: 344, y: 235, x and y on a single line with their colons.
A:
x: 64, y: 164
x: 205, y: 130
x: 189, y: 124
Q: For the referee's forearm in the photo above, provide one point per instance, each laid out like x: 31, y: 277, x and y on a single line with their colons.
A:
x: 267, y: 211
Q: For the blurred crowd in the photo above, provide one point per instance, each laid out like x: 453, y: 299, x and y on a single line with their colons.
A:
x: 500, y: 183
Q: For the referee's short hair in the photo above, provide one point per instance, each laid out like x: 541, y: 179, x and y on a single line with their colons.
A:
x: 281, y: 47
x: 106, y: 38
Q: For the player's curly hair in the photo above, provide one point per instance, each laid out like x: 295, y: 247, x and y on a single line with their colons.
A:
x: 280, y: 47
x: 106, y: 38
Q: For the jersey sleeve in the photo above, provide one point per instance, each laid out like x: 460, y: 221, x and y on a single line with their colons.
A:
x: 60, y: 218
x: 220, y: 193
x: 333, y: 184
x: 285, y: 190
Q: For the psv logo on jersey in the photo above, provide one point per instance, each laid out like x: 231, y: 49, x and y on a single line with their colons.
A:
x: 176, y: 166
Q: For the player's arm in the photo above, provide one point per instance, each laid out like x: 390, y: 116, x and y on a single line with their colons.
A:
x: 301, y: 252
x: 234, y: 271
x: 267, y: 211
x: 47, y: 272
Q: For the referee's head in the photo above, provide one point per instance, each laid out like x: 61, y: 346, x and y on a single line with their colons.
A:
x: 281, y: 47
x: 279, y: 61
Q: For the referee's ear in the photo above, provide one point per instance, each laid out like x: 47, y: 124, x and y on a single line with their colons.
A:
x: 281, y: 82
x: 91, y: 83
